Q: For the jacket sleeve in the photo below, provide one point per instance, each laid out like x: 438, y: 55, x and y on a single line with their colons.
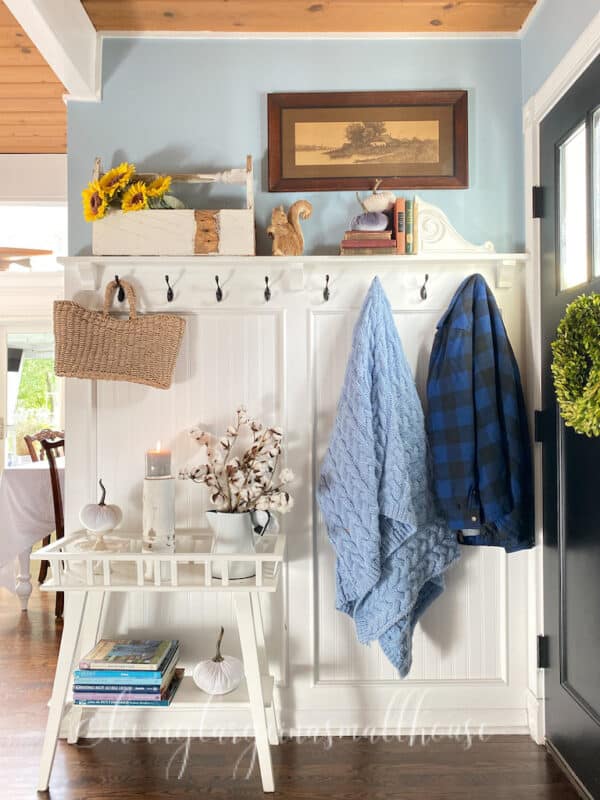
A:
x: 451, y: 423
x: 490, y: 361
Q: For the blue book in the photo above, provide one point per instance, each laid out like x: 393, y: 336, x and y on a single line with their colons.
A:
x: 79, y: 680
x: 141, y: 702
x: 105, y: 688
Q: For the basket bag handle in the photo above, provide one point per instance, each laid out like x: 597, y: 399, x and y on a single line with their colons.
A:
x: 129, y: 291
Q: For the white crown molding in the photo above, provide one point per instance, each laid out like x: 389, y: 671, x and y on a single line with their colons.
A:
x: 532, y: 16
x: 285, y: 36
x: 574, y: 63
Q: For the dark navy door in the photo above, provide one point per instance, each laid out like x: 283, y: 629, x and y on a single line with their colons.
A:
x: 570, y: 237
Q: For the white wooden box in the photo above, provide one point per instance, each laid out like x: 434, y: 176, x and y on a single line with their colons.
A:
x: 166, y: 232
x: 181, y: 232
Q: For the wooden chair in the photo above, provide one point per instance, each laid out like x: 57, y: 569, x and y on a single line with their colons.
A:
x: 51, y: 449
x: 38, y: 454
x: 31, y: 440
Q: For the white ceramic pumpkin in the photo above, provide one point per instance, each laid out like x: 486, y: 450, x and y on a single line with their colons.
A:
x: 377, y: 201
x: 218, y: 675
x: 100, y: 517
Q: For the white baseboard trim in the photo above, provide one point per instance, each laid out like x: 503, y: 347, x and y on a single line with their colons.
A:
x: 418, y: 725
x: 535, y: 717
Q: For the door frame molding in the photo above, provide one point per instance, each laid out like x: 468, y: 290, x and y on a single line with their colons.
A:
x: 583, y: 52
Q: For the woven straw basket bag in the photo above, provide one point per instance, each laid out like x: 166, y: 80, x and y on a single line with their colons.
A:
x: 92, y: 344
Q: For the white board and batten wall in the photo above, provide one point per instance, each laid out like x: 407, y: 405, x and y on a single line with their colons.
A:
x: 285, y: 361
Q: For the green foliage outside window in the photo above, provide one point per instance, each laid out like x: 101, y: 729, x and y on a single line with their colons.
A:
x: 35, y: 401
x: 38, y: 384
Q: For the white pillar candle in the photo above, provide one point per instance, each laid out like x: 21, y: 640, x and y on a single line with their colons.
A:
x: 158, y: 463
x: 158, y: 521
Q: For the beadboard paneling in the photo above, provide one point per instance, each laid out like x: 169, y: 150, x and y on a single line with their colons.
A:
x: 228, y: 358
x: 461, y: 636
x: 286, y: 361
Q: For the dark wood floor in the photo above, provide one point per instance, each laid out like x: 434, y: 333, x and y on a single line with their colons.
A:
x: 501, y: 768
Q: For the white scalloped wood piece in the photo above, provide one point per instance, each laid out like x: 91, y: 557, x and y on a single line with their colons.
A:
x: 438, y: 235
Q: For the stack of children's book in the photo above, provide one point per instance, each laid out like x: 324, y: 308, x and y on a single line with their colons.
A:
x: 399, y: 239
x: 128, y: 672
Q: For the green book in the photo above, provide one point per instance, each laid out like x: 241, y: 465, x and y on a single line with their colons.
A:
x: 410, y: 227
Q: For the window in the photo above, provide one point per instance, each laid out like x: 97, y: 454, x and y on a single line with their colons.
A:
x: 573, y: 209
x: 596, y: 187
x: 33, y: 400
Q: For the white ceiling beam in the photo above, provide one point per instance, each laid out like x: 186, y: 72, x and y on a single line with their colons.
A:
x: 66, y: 38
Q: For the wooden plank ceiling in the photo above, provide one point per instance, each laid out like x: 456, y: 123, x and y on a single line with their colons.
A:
x: 33, y: 116
x: 310, y: 16
x: 32, y: 112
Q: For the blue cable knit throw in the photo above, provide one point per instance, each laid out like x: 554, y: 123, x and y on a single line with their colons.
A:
x: 375, y: 493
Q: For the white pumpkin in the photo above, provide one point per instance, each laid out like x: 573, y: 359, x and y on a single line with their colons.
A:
x: 218, y: 675
x: 100, y: 517
x: 377, y: 201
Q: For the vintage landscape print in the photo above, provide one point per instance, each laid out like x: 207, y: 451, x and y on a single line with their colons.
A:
x: 371, y: 142
x: 324, y: 141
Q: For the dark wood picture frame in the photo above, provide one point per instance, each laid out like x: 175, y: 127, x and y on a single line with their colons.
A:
x: 366, y: 106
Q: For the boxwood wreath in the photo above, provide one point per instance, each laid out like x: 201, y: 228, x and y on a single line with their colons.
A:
x: 576, y: 365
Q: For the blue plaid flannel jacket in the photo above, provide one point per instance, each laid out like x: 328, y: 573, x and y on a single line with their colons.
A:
x: 477, y: 424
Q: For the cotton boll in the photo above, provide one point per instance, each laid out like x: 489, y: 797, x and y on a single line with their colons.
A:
x: 286, y: 476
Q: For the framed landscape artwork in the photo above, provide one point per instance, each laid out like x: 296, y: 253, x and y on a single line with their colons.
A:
x: 323, y: 141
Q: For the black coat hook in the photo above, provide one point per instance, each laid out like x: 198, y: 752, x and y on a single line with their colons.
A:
x: 170, y: 294
x: 423, y: 291
x: 121, y: 292
x: 326, y: 289
x: 267, y: 290
x: 219, y: 292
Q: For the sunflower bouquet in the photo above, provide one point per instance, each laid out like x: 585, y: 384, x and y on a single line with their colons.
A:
x: 120, y: 188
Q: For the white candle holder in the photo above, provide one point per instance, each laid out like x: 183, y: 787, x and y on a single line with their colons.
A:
x: 158, y: 520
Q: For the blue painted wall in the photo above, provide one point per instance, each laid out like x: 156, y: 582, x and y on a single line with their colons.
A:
x: 553, y: 30
x: 183, y: 105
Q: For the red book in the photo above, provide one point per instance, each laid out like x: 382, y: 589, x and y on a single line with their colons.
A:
x: 387, y: 234
x: 400, y: 225
x: 349, y: 243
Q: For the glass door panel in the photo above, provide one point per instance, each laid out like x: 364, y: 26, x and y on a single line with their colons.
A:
x: 596, y: 188
x: 573, y: 210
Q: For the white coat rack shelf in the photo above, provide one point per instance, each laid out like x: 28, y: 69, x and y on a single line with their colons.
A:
x: 441, y: 247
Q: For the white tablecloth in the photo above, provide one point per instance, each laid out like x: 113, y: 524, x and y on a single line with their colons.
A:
x: 26, y: 512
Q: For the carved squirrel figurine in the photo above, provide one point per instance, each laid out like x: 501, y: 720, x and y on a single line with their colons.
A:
x: 285, y: 229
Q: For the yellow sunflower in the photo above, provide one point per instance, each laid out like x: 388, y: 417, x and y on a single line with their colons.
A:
x: 94, y: 202
x: 135, y: 197
x: 116, y: 178
x: 159, y: 186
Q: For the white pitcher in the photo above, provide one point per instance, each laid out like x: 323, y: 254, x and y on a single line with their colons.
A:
x: 235, y: 533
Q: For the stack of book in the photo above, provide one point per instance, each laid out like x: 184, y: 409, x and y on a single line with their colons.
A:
x: 128, y: 672
x: 400, y: 238
x: 367, y: 243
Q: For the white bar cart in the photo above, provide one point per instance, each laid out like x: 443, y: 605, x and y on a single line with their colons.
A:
x: 87, y: 575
